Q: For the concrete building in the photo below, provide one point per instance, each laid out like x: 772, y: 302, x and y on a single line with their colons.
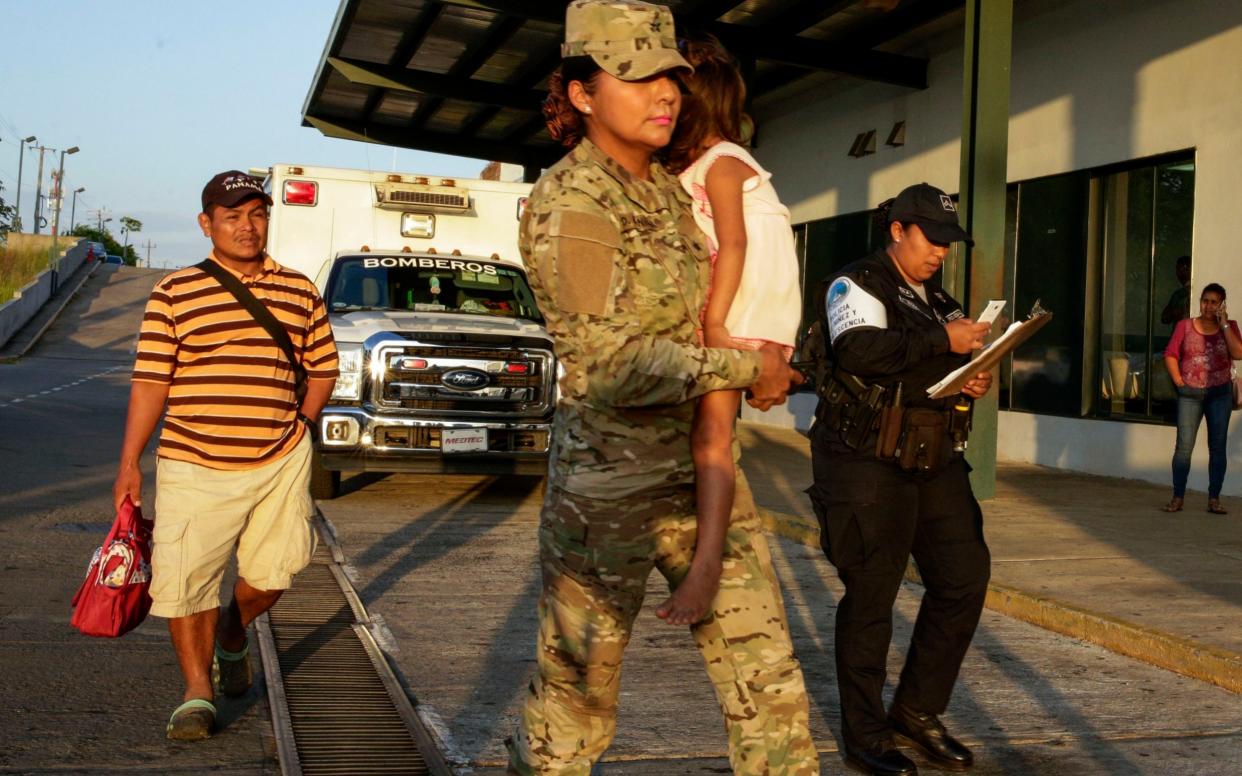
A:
x: 1125, y: 125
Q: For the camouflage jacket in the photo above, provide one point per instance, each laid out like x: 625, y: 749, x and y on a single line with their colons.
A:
x: 621, y: 272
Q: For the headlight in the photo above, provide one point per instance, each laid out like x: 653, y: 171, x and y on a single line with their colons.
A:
x: 349, y: 382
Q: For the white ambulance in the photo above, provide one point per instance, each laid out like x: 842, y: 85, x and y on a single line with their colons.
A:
x: 445, y: 364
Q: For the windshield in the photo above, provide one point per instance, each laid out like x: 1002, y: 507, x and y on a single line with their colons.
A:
x: 430, y: 284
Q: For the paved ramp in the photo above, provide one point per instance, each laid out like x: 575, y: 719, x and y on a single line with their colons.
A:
x: 99, y: 323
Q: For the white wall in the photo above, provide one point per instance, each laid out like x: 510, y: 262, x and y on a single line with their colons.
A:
x: 1135, y: 450
x: 1094, y: 82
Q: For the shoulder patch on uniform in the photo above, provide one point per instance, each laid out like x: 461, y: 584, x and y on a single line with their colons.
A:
x: 584, y: 249
x: 584, y: 226
x: 851, y: 307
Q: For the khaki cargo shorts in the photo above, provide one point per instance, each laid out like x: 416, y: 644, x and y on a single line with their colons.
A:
x: 202, y: 514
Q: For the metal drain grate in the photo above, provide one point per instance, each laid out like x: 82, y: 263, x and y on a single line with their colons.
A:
x: 336, y: 705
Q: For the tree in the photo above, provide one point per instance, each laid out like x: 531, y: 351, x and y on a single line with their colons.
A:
x: 127, y: 252
x: 129, y: 225
x: 7, y: 213
x: 97, y: 235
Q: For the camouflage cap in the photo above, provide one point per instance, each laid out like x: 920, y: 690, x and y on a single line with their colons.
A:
x: 628, y: 39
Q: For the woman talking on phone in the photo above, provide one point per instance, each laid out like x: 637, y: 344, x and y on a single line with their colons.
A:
x: 1200, y: 358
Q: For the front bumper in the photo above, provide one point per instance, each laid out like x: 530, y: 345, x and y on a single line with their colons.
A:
x: 353, y: 439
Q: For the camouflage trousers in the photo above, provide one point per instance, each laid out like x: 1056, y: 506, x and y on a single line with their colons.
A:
x: 596, y: 556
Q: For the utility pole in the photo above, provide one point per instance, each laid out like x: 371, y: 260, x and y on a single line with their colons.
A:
x: 150, y: 245
x: 21, y: 157
x: 39, y: 192
x: 73, y: 210
x: 59, y: 200
x: 60, y: 189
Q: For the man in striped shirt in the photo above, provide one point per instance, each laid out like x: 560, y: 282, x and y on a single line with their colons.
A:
x: 234, y: 457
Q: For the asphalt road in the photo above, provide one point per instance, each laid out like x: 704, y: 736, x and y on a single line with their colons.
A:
x: 448, y: 567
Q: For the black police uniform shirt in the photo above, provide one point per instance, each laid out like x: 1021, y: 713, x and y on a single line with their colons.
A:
x: 881, y: 331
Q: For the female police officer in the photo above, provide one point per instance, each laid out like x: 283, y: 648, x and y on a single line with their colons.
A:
x: 620, y: 272
x: 888, y: 481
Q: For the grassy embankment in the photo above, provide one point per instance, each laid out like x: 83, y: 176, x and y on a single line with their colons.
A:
x: 18, y: 266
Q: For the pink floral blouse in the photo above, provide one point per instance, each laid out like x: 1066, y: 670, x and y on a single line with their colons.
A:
x: 1203, y: 358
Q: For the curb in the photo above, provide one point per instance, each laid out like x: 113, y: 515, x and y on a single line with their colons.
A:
x: 55, y: 315
x: 1164, y: 650
x: 48, y: 323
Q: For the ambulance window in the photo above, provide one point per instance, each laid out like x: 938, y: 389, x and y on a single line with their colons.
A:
x: 425, y: 284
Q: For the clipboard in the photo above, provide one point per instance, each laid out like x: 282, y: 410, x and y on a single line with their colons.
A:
x: 1017, y: 333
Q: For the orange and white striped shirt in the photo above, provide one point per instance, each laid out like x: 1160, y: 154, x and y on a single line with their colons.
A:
x: 231, y: 401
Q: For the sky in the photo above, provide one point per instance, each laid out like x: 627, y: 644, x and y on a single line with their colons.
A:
x: 160, y: 96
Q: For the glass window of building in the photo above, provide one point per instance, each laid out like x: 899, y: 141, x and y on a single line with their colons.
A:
x: 1049, y: 266
x: 1107, y: 251
x: 1145, y: 217
x: 830, y: 244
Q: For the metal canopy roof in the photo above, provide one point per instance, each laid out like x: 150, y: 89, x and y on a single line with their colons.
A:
x: 466, y: 77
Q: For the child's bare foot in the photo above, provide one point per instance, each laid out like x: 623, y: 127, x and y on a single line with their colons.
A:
x: 692, y: 600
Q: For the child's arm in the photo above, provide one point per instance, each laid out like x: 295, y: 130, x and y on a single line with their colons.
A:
x: 724, y: 194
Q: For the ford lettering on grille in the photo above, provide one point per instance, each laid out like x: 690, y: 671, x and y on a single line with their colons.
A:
x: 465, y: 379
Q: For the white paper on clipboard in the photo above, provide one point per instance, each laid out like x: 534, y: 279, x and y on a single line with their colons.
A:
x: 1017, y: 333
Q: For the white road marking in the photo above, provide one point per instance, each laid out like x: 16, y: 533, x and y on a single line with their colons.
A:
x: 88, y: 378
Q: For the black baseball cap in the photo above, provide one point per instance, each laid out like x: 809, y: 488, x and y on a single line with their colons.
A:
x: 231, y: 188
x: 933, y: 211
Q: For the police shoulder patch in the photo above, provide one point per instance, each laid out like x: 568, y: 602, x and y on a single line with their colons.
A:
x: 851, y: 307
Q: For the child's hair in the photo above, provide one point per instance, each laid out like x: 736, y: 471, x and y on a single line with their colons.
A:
x: 713, y: 104
x: 563, y: 119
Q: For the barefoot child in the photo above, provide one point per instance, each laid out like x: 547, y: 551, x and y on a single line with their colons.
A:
x: 754, y: 297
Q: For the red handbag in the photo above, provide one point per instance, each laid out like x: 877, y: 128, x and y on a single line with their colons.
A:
x: 116, y: 594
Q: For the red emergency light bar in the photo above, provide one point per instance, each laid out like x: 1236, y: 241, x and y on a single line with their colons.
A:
x: 517, y: 368
x: 301, y: 193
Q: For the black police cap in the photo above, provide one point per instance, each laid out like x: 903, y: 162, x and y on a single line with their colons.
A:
x: 933, y: 211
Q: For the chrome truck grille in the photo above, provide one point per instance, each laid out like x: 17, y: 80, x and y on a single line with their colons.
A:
x: 459, y: 381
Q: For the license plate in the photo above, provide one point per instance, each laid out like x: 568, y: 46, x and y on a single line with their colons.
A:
x: 463, y: 440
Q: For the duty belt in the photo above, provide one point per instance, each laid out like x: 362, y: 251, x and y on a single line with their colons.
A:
x: 917, y: 438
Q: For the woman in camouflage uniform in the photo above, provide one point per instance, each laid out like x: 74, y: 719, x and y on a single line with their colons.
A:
x: 620, y: 272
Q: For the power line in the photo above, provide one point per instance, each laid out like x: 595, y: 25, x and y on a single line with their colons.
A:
x: 8, y: 125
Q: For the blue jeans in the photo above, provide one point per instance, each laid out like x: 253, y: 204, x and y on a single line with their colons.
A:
x: 1194, y: 404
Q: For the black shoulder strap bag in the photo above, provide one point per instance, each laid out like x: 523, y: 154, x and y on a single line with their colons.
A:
x: 263, y: 317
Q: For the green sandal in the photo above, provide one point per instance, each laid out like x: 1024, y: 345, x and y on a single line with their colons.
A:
x: 231, y: 670
x: 192, y: 721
